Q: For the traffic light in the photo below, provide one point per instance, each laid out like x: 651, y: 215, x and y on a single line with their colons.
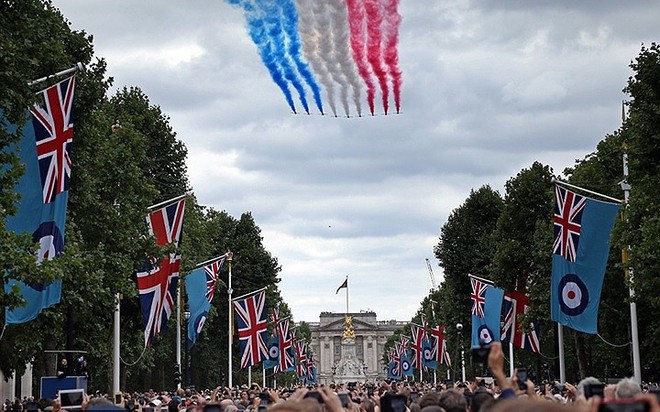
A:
x: 177, y: 373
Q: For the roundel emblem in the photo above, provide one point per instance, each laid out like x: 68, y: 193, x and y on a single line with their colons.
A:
x: 573, y: 295
x: 273, y: 352
x: 51, y: 244
x: 199, y: 322
x: 428, y: 354
x: 405, y: 365
x: 485, y: 335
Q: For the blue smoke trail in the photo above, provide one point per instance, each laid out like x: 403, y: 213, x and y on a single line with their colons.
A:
x: 257, y: 31
x: 290, y: 19
x: 273, y: 23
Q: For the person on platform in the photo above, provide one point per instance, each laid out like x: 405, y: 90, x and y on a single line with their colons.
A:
x: 63, y: 368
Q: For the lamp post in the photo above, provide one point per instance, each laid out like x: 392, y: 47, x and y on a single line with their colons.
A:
x: 186, y: 316
x: 459, y: 329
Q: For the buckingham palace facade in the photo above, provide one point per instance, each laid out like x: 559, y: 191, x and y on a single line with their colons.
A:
x: 370, y: 337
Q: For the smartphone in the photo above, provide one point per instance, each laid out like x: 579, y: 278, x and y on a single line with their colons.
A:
x: 345, y: 399
x: 624, y: 405
x: 521, y: 375
x: 449, y: 383
x: 314, y: 395
x: 393, y: 403
x: 594, y: 389
x: 542, y: 388
x: 118, y: 398
x: 480, y: 354
x: 72, y: 398
x: 214, y: 407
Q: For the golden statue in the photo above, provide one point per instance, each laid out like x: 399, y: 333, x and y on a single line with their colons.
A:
x: 348, y: 328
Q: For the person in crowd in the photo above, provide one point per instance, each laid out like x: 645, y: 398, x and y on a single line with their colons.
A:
x: 627, y: 388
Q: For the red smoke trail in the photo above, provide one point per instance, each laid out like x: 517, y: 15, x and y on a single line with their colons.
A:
x: 374, y: 51
x: 357, y: 23
x: 392, y: 22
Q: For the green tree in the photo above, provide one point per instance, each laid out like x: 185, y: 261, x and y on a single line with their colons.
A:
x: 642, y: 229
x: 465, y: 248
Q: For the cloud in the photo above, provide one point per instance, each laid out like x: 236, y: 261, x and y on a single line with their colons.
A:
x: 488, y: 88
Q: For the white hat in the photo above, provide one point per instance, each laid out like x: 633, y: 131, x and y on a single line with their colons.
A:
x: 156, y: 402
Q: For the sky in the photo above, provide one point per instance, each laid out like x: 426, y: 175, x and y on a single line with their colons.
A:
x: 489, y: 87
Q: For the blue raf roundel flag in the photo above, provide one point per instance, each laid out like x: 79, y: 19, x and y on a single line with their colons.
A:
x: 199, y: 322
x: 51, y: 243
x: 405, y: 366
x: 573, y: 295
x: 273, y: 351
x: 485, y: 335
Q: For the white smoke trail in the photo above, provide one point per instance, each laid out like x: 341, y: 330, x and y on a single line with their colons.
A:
x: 310, y: 45
x: 327, y: 51
x: 340, y: 35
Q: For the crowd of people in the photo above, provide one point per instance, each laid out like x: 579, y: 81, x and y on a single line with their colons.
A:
x: 502, y: 393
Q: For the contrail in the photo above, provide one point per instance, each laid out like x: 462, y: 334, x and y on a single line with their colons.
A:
x: 357, y: 23
x: 310, y: 46
x: 392, y: 23
x: 374, y: 50
x: 326, y: 47
x: 257, y: 32
x: 290, y: 17
x: 272, y: 19
x: 340, y: 36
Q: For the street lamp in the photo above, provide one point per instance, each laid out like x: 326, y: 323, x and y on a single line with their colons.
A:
x: 459, y: 329
x: 186, y: 316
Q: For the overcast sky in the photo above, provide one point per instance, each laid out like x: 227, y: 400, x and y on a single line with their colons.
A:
x: 489, y: 87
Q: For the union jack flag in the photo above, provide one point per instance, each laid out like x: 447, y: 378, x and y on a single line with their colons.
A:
x: 418, y: 338
x: 53, y: 128
x: 567, y: 222
x: 275, y: 316
x: 212, y: 271
x: 439, y: 346
x: 252, y: 327
x: 301, y: 358
x: 478, y: 296
x: 402, y: 346
x: 311, y: 375
x: 516, y: 305
x: 166, y: 223
x: 395, y: 357
x: 286, y: 361
x: 158, y: 289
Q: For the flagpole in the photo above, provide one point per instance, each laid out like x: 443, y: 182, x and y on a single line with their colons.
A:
x: 167, y: 202
x: 511, y: 357
x: 178, y: 331
x: 229, y: 329
x: 263, y: 378
x: 637, y: 370
x: 347, y: 311
x: 562, y: 365
x: 560, y: 183
x: 250, y: 376
x: 213, y: 260
x: 78, y: 67
x: 115, y: 344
